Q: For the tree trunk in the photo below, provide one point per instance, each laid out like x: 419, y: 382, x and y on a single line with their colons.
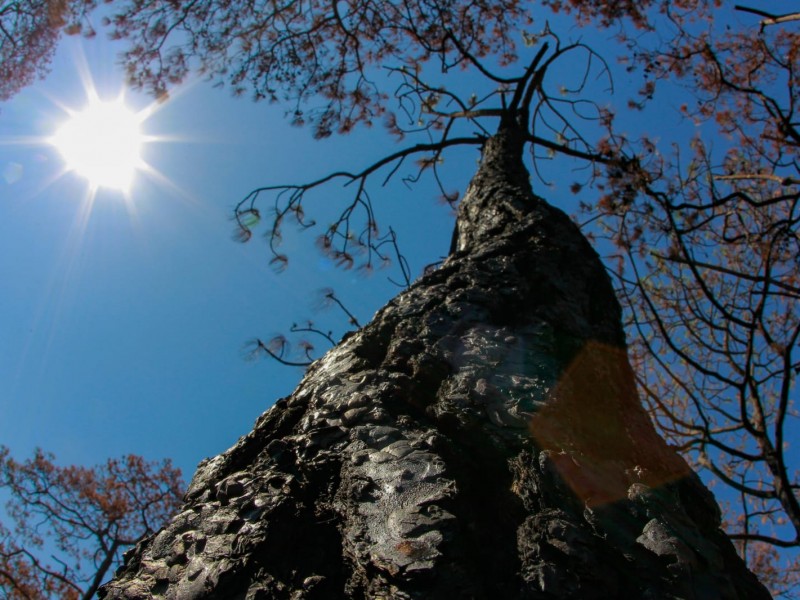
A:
x: 481, y: 438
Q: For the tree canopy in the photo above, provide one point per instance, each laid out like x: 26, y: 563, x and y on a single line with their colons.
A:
x: 29, y: 33
x: 71, y: 524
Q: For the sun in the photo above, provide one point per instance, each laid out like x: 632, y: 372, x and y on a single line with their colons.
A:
x: 103, y: 143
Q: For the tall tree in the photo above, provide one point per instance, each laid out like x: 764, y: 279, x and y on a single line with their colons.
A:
x: 483, y: 434
x: 710, y: 288
x: 71, y: 524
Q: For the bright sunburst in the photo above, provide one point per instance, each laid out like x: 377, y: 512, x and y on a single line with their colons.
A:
x: 103, y: 143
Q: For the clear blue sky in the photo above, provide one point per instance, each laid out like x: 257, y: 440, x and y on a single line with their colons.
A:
x: 123, y: 322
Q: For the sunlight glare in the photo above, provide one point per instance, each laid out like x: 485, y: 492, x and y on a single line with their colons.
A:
x: 102, y: 143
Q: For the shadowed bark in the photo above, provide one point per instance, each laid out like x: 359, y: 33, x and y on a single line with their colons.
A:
x: 480, y: 438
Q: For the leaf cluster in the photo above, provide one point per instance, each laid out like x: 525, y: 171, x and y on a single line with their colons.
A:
x: 69, y: 525
x: 29, y: 33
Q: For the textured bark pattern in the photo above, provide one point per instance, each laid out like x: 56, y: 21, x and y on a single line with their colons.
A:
x: 480, y: 438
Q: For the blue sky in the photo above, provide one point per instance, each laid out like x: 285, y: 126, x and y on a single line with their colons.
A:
x: 124, y: 322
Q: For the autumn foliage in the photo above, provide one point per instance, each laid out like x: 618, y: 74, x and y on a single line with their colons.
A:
x: 711, y: 280
x: 29, y: 33
x: 67, y: 527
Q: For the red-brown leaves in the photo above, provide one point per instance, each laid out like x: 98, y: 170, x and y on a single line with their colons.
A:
x: 29, y: 32
x: 299, y: 51
x: 85, y: 517
x: 604, y: 12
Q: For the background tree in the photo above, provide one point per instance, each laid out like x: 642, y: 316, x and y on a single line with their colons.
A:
x: 710, y: 231
x: 70, y: 525
x: 29, y: 33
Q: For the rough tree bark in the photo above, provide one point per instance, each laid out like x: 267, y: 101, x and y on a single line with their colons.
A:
x: 481, y: 437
